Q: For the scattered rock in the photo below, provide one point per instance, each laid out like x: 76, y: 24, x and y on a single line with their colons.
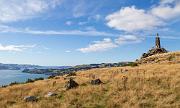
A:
x: 71, y: 84
x: 96, y: 82
x: 50, y: 94
x: 30, y: 99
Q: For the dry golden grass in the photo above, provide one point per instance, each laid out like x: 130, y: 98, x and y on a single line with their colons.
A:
x: 144, y: 86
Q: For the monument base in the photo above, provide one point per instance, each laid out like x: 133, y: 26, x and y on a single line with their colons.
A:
x: 154, y: 51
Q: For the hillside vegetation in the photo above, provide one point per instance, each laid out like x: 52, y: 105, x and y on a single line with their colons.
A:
x: 144, y: 86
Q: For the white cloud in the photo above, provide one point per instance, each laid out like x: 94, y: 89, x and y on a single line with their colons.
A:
x: 97, y: 17
x: 97, y: 46
x: 69, y: 23
x: 167, y: 11
x: 79, y: 9
x: 82, y: 23
x: 90, y: 28
x: 16, y: 48
x: 167, y: 1
x: 89, y: 32
x: 69, y: 32
x: 131, y: 19
x: 128, y: 39
x: 107, y: 43
x: 14, y: 10
x: 67, y: 51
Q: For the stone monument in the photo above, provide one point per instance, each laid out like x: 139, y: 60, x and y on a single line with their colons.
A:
x: 155, y: 50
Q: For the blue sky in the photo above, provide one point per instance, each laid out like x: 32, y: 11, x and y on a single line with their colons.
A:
x: 71, y: 32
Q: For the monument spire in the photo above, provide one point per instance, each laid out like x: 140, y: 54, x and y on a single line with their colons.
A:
x: 157, y: 42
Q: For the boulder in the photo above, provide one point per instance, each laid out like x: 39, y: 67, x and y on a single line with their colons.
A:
x: 30, y: 99
x: 50, y: 94
x: 96, y: 82
x: 71, y: 84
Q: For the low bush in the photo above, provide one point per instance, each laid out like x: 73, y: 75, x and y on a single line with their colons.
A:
x: 52, y: 76
x: 36, y: 79
x: 29, y: 81
x: 13, y: 83
x: 132, y: 64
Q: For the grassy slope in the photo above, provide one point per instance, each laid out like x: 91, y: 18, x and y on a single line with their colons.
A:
x: 148, y: 85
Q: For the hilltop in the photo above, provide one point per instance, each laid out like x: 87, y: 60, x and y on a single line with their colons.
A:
x: 146, y: 85
x: 171, y: 57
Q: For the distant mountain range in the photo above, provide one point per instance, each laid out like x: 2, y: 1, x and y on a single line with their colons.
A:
x: 28, y: 66
x: 58, y: 70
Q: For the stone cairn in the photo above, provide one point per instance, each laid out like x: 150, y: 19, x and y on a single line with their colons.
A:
x: 155, y: 50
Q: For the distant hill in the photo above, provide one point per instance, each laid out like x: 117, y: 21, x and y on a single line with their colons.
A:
x: 67, y: 69
x: 28, y: 66
x: 16, y: 66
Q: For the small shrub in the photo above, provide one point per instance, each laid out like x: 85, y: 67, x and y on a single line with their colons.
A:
x: 29, y: 81
x: 170, y: 58
x: 124, y: 80
x: 51, y: 77
x: 36, y: 79
x: 13, y: 83
x: 72, y: 74
x: 83, y: 84
x: 4, y: 86
x: 132, y: 64
x: 11, y: 102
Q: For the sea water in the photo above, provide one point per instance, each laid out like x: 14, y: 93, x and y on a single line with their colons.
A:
x: 8, y: 76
